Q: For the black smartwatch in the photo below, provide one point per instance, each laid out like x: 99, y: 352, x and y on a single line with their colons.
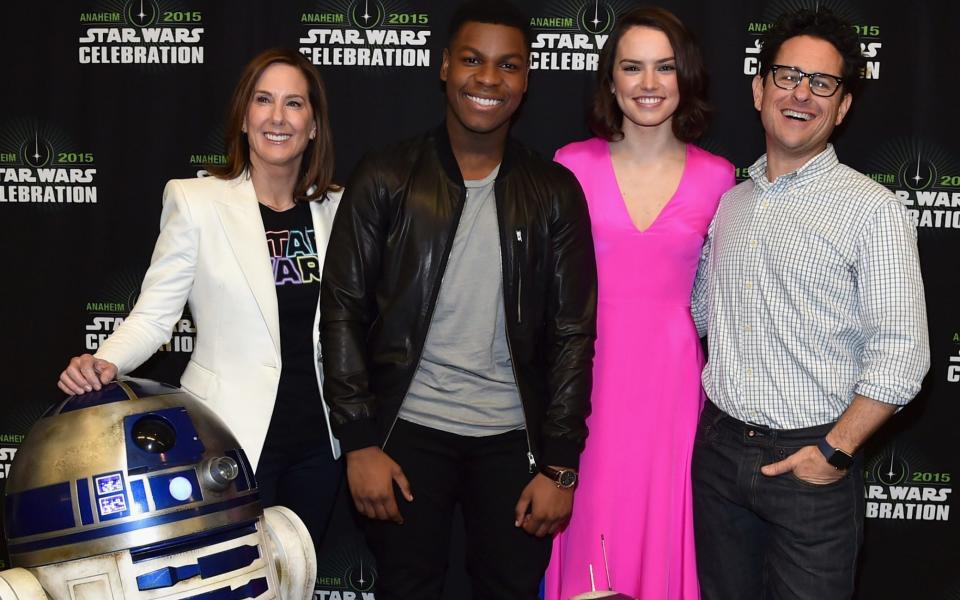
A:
x: 836, y: 457
x: 564, y: 478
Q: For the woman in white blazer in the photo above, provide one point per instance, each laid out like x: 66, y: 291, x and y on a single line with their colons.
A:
x: 245, y: 248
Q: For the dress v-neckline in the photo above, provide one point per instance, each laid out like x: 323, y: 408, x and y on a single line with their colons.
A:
x: 623, y: 201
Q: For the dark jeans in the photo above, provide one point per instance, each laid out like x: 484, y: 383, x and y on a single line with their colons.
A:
x: 485, y: 476
x: 303, y: 478
x: 770, y: 538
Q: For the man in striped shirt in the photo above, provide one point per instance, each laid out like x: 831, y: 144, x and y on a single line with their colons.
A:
x: 809, y: 290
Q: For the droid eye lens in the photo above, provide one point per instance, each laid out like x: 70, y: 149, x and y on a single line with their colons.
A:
x: 153, y: 434
x: 225, y: 469
x: 219, y: 472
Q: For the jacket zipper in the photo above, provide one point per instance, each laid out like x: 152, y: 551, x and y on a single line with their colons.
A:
x: 429, y: 325
x: 526, y: 429
x: 433, y: 306
x: 519, y: 280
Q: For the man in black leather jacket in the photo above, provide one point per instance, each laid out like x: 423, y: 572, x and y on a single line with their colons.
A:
x: 457, y: 326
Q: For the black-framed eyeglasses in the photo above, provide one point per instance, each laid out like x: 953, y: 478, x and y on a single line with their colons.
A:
x: 821, y: 84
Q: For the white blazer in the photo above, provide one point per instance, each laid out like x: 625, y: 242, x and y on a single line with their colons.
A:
x: 212, y: 253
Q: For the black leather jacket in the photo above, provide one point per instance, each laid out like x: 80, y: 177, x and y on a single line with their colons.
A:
x: 384, y: 262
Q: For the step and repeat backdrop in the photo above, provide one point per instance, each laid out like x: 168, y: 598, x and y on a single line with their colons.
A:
x: 106, y: 100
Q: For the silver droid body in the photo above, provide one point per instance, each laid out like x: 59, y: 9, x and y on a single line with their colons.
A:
x: 140, y: 491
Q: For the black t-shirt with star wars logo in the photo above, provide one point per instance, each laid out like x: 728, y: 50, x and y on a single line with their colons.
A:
x: 298, y: 419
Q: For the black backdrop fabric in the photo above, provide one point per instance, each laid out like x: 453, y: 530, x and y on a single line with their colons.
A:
x: 105, y: 100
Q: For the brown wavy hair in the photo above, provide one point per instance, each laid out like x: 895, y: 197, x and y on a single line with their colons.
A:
x: 316, y: 167
x: 690, y: 119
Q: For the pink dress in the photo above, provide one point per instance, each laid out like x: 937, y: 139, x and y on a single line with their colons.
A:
x: 635, y: 471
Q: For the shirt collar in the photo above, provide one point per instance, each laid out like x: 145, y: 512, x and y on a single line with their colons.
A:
x: 812, y: 169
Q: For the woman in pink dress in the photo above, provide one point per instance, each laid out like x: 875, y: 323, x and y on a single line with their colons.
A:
x: 651, y: 195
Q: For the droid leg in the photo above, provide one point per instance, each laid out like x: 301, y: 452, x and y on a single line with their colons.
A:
x: 293, y: 553
x: 20, y: 584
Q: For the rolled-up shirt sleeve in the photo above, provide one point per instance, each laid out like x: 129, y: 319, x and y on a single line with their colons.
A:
x: 896, y: 352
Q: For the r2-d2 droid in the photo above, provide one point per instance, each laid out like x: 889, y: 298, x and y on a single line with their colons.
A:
x: 139, y: 491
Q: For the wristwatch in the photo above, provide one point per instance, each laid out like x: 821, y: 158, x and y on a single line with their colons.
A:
x: 564, y: 478
x: 836, y: 457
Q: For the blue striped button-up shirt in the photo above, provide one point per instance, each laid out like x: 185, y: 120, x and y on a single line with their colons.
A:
x: 809, y: 291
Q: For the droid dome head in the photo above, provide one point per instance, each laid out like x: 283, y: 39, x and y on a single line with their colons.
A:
x: 131, y: 465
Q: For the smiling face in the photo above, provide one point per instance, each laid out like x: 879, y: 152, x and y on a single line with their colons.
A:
x: 645, y: 78
x: 485, y: 71
x: 279, y: 122
x: 797, y: 123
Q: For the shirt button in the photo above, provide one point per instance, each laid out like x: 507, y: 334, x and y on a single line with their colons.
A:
x: 765, y: 204
x: 748, y: 328
x: 753, y: 243
x: 751, y: 433
x: 749, y: 285
x: 749, y: 372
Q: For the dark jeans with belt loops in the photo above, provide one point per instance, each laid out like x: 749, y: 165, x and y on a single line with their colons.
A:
x: 770, y: 538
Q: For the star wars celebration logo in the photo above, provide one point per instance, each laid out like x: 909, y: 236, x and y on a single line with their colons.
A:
x: 870, y: 44
x: 568, y: 36
x: 104, y: 316
x: 924, y: 178
x: 741, y: 173
x: 202, y: 160
x: 41, y: 165
x: 141, y: 32
x: 212, y: 154
x: 366, y: 33
x: 900, y: 486
x: 953, y: 362
x: 356, y: 583
x: 8, y: 451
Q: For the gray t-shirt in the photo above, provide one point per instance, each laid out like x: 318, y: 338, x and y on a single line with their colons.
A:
x: 464, y: 383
